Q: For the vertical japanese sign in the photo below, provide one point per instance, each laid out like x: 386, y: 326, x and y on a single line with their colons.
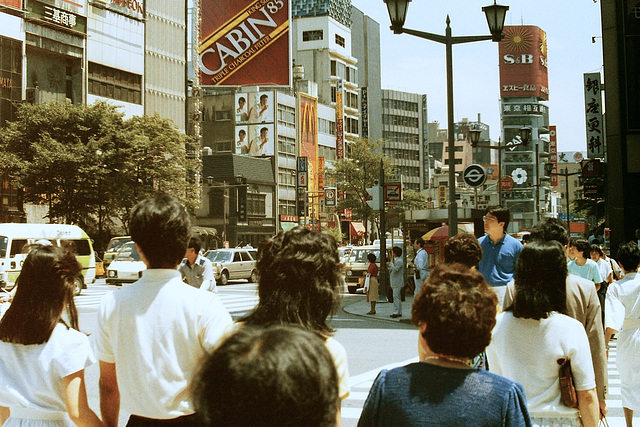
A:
x: 364, y: 112
x: 339, y: 120
x: 593, y: 110
x: 309, y: 137
x: 320, y: 173
x: 244, y: 42
x: 302, y: 186
x: 553, y: 154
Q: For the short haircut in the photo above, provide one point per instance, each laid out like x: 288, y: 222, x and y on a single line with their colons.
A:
x: 396, y: 251
x: 540, y: 281
x: 276, y: 376
x: 583, y: 246
x: 551, y: 229
x: 45, y: 288
x: 160, y: 226
x: 596, y: 248
x: 371, y: 257
x: 264, y: 96
x: 459, y: 309
x: 242, y: 132
x: 501, y: 213
x: 629, y: 256
x: 463, y: 249
x: 195, y: 243
x: 264, y: 129
x: 300, y: 280
x: 420, y: 241
x: 242, y: 98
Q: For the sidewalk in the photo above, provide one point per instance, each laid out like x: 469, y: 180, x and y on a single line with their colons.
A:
x: 384, y: 310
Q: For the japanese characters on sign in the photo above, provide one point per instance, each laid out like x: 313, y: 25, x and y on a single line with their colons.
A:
x: 523, y: 62
x: 553, y: 154
x: 526, y: 108
x: 364, y: 112
x: 339, y: 120
x: 593, y: 111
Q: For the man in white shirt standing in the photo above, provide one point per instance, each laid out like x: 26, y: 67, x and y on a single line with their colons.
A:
x: 197, y: 270
x: 153, y: 334
x: 420, y: 264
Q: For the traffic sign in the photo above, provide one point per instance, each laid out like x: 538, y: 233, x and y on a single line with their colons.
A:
x: 506, y: 183
x: 474, y: 175
x: 329, y: 196
x: 392, y: 192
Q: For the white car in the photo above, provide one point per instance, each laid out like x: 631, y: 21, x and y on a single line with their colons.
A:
x: 126, y: 267
x: 232, y: 264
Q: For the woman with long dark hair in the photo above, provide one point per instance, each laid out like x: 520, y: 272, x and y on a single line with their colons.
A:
x: 299, y: 283
x: 532, y: 334
x: 42, y: 357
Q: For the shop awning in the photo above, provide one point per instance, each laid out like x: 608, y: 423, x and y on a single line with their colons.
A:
x: 286, y: 226
x: 204, y: 231
x: 357, y: 227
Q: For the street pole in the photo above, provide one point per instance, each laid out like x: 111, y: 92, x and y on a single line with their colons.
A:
x: 537, y: 170
x: 382, y: 272
x: 453, y: 206
x: 499, y: 171
x: 566, y: 191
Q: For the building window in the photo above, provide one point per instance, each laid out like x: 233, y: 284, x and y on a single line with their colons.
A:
x: 256, y: 204
x: 287, y: 207
x: 340, y: 40
x: 115, y: 84
x: 223, y: 116
x: 286, y: 145
x: 286, y: 115
x: 326, y: 126
x: 352, y: 75
x: 311, y: 35
x: 338, y: 69
x: 334, y: 92
x: 223, y: 146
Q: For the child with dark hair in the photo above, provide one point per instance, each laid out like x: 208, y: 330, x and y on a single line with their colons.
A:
x: 42, y: 358
x: 268, y: 376
x: 582, y: 265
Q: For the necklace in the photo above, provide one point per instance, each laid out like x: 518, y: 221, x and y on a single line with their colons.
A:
x: 449, y: 359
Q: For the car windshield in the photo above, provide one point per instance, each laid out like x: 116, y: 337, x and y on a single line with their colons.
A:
x: 220, y: 256
x: 3, y: 246
x: 128, y: 252
x: 116, y: 243
x: 361, y: 255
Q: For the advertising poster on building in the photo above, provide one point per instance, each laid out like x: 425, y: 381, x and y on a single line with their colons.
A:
x: 251, y: 108
x: 553, y: 154
x: 523, y: 62
x: 255, y: 140
x: 513, y: 141
x: 593, y: 111
x: 244, y: 42
x: 309, y: 137
x: 339, y: 120
x: 16, y: 4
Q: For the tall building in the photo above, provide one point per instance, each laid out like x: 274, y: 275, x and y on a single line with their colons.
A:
x: 569, y: 162
x: 402, y: 131
x: 365, y: 47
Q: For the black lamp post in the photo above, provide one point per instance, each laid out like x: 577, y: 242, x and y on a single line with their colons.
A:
x: 495, y: 18
x: 474, y: 138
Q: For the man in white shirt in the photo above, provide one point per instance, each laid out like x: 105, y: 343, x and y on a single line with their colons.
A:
x: 420, y: 263
x: 197, y: 270
x: 153, y: 334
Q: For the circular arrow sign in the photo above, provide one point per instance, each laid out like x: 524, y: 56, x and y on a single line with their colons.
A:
x: 474, y: 175
x: 506, y: 183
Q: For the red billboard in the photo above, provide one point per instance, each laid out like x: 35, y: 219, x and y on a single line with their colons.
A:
x: 523, y: 62
x: 12, y: 3
x: 244, y: 42
x: 309, y: 138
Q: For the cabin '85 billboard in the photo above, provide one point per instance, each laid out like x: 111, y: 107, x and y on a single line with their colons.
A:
x: 244, y: 42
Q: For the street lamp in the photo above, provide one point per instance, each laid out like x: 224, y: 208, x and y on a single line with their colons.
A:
x: 495, y: 18
x: 474, y: 138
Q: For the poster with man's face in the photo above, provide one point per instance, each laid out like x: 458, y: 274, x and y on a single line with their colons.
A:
x: 261, y: 109
x: 241, y: 108
x: 255, y: 140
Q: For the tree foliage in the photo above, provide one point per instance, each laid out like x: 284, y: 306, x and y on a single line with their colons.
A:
x: 89, y: 164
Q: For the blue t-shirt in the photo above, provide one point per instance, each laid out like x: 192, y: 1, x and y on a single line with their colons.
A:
x: 498, y: 261
x: 421, y: 394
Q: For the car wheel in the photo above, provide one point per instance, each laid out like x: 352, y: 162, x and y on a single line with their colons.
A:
x: 77, y: 284
x: 254, y: 277
x: 224, y: 277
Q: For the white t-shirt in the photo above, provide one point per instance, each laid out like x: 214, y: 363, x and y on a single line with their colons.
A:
x: 156, y: 331
x: 31, y: 375
x: 339, y: 355
x: 604, y: 267
x: 527, y: 350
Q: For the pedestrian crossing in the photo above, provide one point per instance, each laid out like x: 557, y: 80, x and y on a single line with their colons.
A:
x: 361, y: 384
x: 237, y: 301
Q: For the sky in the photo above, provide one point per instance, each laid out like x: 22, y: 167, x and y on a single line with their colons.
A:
x: 417, y: 65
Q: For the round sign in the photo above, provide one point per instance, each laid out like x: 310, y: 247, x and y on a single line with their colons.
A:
x: 330, y: 194
x: 506, y: 183
x: 474, y: 175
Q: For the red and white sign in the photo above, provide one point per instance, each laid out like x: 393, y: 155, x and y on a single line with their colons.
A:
x: 392, y: 192
x: 288, y: 218
x: 506, y: 183
x: 244, y: 42
x: 523, y: 62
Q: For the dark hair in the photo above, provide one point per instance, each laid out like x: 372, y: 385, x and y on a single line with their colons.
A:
x: 371, y: 257
x: 263, y: 96
x: 242, y: 131
x: 276, y: 376
x: 195, y: 243
x: 629, y: 256
x: 299, y: 280
x: 583, y: 246
x: 459, y: 309
x: 242, y: 99
x: 396, y: 251
x: 264, y: 129
x: 550, y: 229
x: 420, y: 241
x: 540, y: 281
x: 463, y: 249
x: 160, y: 226
x: 501, y: 213
x: 44, y: 289
x: 596, y: 248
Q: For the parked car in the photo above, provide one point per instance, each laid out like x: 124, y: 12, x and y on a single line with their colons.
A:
x: 127, y: 266
x: 113, y: 247
x: 343, y: 253
x: 100, y: 272
x: 232, y: 264
x: 357, y: 264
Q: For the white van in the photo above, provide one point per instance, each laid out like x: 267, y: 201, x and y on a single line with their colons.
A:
x: 13, y: 237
